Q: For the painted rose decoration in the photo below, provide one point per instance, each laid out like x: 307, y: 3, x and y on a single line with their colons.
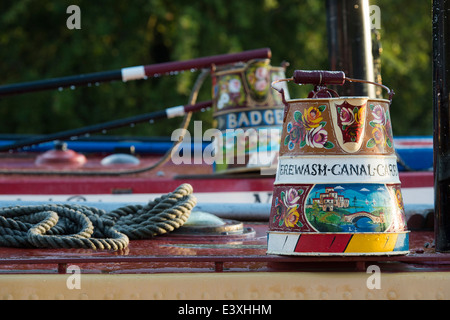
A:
x: 308, y: 129
x: 286, y: 209
x: 347, y: 117
x: 229, y: 92
x: 312, y: 117
x: 382, y: 128
x: 258, y: 80
x: 290, y: 198
x: 351, y: 121
x: 317, y: 138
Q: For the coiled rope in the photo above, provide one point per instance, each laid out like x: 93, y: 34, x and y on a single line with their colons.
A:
x: 83, y: 227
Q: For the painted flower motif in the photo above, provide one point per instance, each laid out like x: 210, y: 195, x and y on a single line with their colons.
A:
x: 257, y: 77
x: 261, y: 73
x: 388, y: 129
x: 296, y: 133
x: 382, y: 129
x: 286, y: 209
x: 347, y: 117
x: 399, y: 198
x: 352, y: 133
x: 229, y: 91
x: 261, y: 85
x: 312, y: 117
x: 291, y: 145
x: 317, y: 137
x: 378, y: 135
x: 351, y: 121
x: 292, y: 217
x: 308, y: 129
x: 360, y: 116
x: 278, y: 210
x: 291, y: 198
x: 234, y: 86
x: 379, y: 115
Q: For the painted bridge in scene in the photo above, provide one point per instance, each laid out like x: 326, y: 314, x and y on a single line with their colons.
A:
x: 375, y: 219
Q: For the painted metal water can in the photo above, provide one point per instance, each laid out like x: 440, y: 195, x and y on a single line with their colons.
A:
x: 337, y: 188
x: 249, y: 114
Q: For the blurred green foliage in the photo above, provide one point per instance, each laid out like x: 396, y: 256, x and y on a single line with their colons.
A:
x: 35, y: 44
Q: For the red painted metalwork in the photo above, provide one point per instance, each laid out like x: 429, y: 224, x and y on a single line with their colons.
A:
x: 167, y: 254
x: 61, y: 157
x: 336, y: 243
x: 163, y: 180
x: 206, y: 62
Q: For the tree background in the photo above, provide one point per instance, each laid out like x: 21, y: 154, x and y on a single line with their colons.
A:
x: 35, y: 44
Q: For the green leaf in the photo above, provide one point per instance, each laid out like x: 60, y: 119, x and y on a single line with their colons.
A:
x: 287, y: 139
x: 297, y: 115
x: 355, y: 110
x: 371, y: 107
x: 328, y: 145
x: 388, y: 142
x: 322, y: 108
x: 372, y: 124
x: 371, y: 143
x: 302, y: 144
x: 323, y: 124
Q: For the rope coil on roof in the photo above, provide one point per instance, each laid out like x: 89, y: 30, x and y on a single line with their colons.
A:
x: 76, y: 226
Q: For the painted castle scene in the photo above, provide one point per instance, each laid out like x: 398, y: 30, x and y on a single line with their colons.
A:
x: 349, y: 208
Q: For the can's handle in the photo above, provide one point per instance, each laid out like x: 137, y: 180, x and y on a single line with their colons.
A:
x: 319, y: 78
x: 322, y: 78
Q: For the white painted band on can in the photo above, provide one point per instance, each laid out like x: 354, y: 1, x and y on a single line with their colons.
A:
x: 337, y: 169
